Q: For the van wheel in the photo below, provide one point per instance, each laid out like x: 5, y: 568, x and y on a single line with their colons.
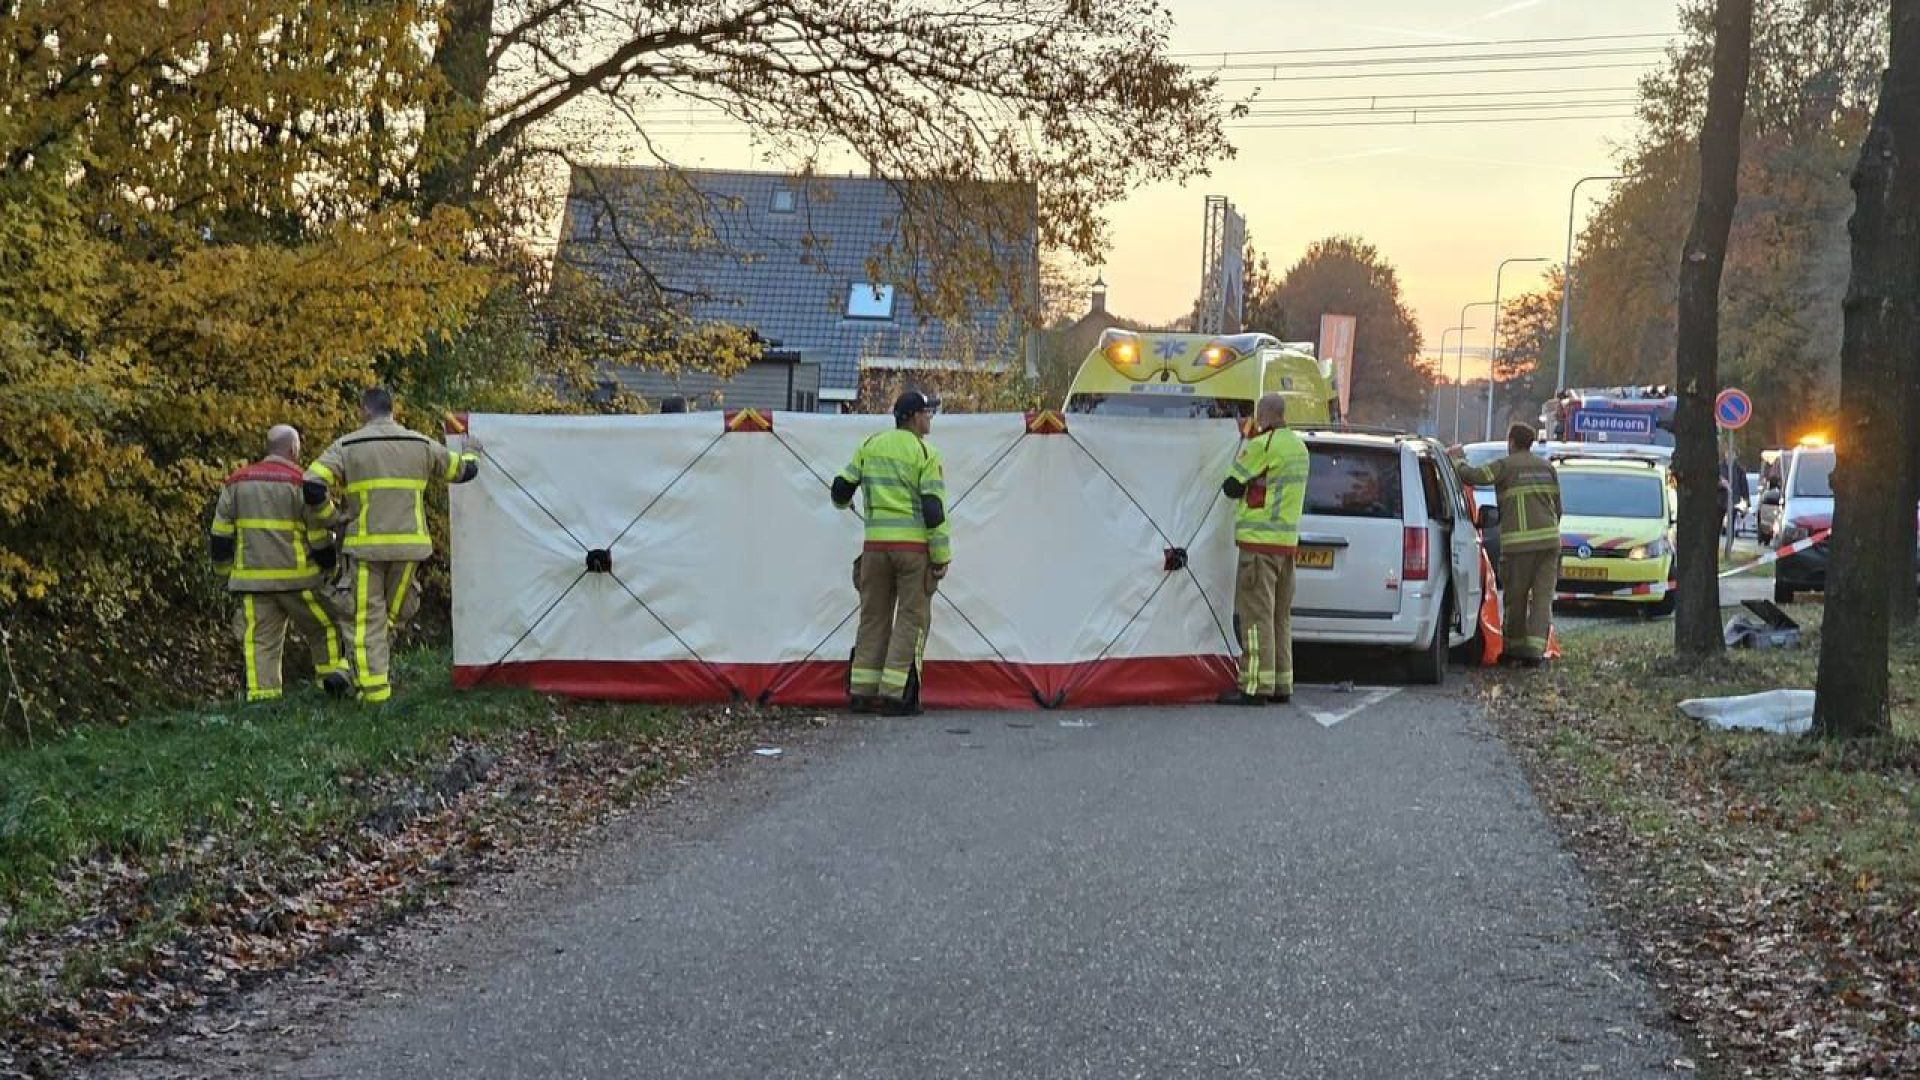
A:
x: 1428, y: 667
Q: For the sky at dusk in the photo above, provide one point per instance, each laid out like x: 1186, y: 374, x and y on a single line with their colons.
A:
x: 1444, y: 201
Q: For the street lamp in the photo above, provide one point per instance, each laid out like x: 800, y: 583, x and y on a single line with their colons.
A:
x: 1566, y: 279
x: 1462, y: 331
x: 1493, y: 361
x: 1459, y: 367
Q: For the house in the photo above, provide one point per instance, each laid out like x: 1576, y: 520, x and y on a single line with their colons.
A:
x: 793, y: 259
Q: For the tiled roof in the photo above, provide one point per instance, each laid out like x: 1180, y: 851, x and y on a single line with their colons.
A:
x: 785, y: 275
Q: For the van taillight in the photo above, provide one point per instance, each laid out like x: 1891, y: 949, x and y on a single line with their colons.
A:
x: 1413, y: 555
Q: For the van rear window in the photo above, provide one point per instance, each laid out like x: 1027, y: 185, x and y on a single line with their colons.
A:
x: 1348, y: 481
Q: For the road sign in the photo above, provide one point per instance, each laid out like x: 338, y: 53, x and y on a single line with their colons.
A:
x: 1604, y: 422
x: 1732, y: 409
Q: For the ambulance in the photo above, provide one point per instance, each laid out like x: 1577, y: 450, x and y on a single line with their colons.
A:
x: 1201, y: 376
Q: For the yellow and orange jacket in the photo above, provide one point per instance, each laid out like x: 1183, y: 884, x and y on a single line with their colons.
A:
x: 380, y: 475
x: 264, y: 536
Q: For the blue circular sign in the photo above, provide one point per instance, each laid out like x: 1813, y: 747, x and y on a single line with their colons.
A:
x: 1732, y: 409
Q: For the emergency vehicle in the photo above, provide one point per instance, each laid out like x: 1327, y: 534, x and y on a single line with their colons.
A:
x: 1636, y: 415
x: 1201, y: 376
x: 1617, y: 513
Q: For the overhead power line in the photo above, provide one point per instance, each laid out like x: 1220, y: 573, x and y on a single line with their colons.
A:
x: 1430, y: 46
x: 1545, y: 108
x: 1454, y: 94
x: 1416, y: 122
x: 1278, y: 78
x: 1392, y: 61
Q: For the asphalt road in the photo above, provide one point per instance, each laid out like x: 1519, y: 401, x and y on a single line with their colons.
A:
x: 1359, y: 885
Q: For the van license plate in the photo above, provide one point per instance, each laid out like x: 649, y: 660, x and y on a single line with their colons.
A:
x: 1584, y: 573
x: 1313, y: 558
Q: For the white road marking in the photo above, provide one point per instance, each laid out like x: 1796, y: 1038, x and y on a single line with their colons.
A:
x: 1366, y: 701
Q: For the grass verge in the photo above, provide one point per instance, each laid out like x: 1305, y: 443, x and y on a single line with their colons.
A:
x: 147, y: 868
x: 1771, y: 883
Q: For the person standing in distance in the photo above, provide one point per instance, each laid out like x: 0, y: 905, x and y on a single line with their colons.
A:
x: 907, y: 551
x: 1528, y: 491
x: 382, y: 472
x: 1269, y: 482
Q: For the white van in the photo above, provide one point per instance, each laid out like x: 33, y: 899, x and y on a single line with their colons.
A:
x: 1388, y: 554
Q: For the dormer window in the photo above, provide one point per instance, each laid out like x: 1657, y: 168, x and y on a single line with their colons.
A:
x: 866, y: 300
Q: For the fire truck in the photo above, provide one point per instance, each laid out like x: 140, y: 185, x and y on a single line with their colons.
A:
x: 1635, y: 415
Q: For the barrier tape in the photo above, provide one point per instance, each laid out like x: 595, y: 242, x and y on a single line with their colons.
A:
x: 1777, y: 554
x: 1647, y: 590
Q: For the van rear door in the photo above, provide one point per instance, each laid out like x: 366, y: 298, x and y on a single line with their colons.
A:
x: 1352, y: 533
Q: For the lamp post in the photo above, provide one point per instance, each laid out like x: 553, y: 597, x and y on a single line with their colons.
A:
x: 1461, y: 330
x: 1459, y: 366
x: 1566, y: 279
x: 1494, y: 360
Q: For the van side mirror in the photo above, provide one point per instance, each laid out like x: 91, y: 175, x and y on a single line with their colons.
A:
x: 1488, y: 518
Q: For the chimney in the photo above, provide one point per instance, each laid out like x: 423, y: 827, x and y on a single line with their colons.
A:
x: 1099, y: 304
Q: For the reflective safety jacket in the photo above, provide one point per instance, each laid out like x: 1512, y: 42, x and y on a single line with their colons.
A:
x: 264, y: 536
x: 380, y: 474
x: 1528, y: 491
x: 905, y: 492
x: 1269, y: 481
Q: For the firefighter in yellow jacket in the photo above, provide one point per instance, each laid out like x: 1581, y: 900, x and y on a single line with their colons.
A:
x: 274, y: 549
x: 906, y: 554
x: 1269, y: 482
x: 380, y: 475
x: 1528, y: 491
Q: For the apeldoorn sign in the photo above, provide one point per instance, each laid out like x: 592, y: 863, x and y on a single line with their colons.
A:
x: 1608, y: 422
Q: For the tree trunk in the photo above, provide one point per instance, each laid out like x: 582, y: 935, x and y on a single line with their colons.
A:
x: 1871, y: 496
x: 1906, y: 537
x: 457, y: 112
x: 1697, y: 632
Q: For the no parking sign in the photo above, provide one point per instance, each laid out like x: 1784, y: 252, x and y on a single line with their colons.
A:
x: 1732, y: 409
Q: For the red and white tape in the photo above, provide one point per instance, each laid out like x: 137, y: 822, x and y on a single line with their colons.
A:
x: 1777, y: 554
x: 1648, y: 589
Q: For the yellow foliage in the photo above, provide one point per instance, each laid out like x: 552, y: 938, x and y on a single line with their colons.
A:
x: 194, y: 246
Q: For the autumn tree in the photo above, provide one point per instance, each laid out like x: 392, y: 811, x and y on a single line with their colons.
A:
x: 1528, y: 365
x: 1873, y: 497
x: 1815, y: 67
x: 1697, y: 338
x: 195, y: 247
x: 1345, y: 275
x: 993, y: 109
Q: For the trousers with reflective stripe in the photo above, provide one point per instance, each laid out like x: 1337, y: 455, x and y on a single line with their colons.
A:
x: 1263, y: 609
x: 1529, y: 578
x: 378, y: 603
x: 261, y: 624
x: 896, y: 608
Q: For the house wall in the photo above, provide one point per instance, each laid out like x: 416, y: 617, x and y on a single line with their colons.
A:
x: 761, y: 385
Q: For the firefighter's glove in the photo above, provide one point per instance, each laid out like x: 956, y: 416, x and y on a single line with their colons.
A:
x: 326, y: 558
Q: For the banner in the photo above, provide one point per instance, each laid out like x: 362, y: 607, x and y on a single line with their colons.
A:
x: 1336, y: 345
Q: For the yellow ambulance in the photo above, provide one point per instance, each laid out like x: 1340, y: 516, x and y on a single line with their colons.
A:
x: 1200, y: 376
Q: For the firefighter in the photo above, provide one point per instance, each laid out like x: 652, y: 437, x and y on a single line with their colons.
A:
x: 1528, y: 491
x: 274, y: 548
x: 906, y: 554
x: 380, y: 475
x: 1269, y: 482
